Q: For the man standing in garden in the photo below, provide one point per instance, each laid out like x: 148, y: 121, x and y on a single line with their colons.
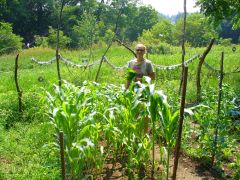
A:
x: 140, y: 65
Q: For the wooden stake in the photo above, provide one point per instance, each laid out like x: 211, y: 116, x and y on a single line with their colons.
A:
x: 63, y: 168
x: 103, y: 56
x: 57, y: 45
x: 19, y: 91
x: 183, y: 44
x: 218, y: 111
x: 202, y: 58
x: 180, y: 124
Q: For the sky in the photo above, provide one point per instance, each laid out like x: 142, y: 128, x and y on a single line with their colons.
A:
x: 171, y: 7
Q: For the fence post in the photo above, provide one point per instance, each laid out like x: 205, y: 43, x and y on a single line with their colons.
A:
x: 218, y: 111
x: 57, y: 44
x: 180, y: 124
x: 63, y: 168
x: 19, y: 91
x: 183, y: 44
x: 201, y: 61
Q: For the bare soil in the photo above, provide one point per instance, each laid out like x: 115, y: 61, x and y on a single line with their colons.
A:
x: 188, y: 169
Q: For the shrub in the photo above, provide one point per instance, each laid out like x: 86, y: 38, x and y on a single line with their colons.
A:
x: 162, y: 48
x: 41, y: 41
x: 9, y: 41
x: 225, y: 41
x: 52, y: 38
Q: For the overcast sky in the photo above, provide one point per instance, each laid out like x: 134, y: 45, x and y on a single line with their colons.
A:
x: 171, y: 7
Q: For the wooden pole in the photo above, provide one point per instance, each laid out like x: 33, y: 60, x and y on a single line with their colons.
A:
x: 180, y: 124
x: 100, y: 65
x: 128, y: 48
x: 218, y: 111
x: 57, y: 45
x: 183, y: 43
x: 103, y: 56
x: 201, y: 60
x: 19, y: 91
x: 63, y: 168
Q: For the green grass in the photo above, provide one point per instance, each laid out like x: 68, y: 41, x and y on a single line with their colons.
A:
x: 23, y: 154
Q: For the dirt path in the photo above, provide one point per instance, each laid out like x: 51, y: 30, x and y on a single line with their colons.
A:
x: 188, y: 169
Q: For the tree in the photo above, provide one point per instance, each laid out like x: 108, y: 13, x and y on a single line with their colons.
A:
x: 28, y: 17
x: 226, y: 31
x: 85, y: 32
x: 163, y: 31
x: 71, y: 16
x: 142, y: 18
x: 52, y: 38
x: 8, y: 41
x: 219, y: 10
x: 198, y: 30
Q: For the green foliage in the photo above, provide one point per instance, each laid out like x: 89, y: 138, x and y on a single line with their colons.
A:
x: 24, y: 152
x: 225, y: 30
x: 236, y: 166
x: 119, y: 115
x: 85, y: 32
x: 142, y: 19
x: 52, y: 38
x: 160, y: 111
x: 130, y: 75
x: 207, y: 120
x: 225, y: 42
x: 9, y: 42
x: 198, y: 30
x: 41, y: 41
x: 163, y: 31
x: 161, y: 48
x: 219, y: 10
x: 92, y: 113
x: 109, y: 34
x: 28, y: 17
x: 159, y: 37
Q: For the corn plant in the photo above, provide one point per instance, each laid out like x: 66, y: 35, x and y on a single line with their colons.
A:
x: 70, y: 112
x: 101, y: 121
x: 167, y: 119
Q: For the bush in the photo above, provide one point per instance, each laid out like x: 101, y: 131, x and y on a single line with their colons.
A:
x: 162, y: 48
x: 41, y: 41
x: 9, y: 42
x: 86, y: 32
x: 225, y: 41
x: 52, y: 38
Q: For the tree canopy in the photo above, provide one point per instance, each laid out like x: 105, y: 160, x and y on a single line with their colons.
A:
x: 198, y: 31
x: 87, y: 22
x: 8, y: 40
x: 219, y: 10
